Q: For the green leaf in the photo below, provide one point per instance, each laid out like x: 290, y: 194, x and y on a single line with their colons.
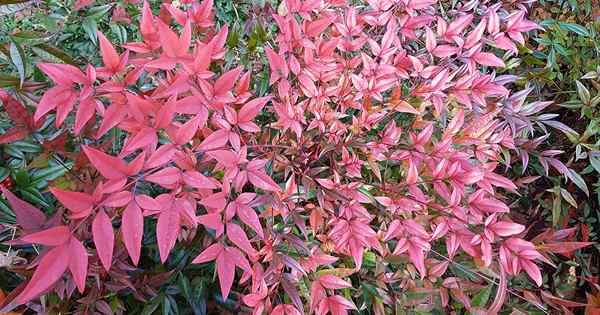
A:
x: 17, y: 57
x: 481, y: 298
x: 31, y: 37
x: 91, y: 29
x: 98, y: 12
x: 578, y: 180
x: 583, y: 92
x: 595, y: 160
x: 52, y: 53
x: 4, y: 172
x: 575, y: 28
x: 568, y: 197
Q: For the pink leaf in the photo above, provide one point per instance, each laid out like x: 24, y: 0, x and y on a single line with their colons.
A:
x: 197, y: 180
x: 54, y: 236
x: 239, y: 238
x: 505, y: 228
x: 51, y: 267
x: 165, y: 177
x: 226, y: 272
x: 78, y: 263
x: 210, y: 253
x: 252, y: 108
x: 110, y: 58
x: 28, y: 216
x: 72, y: 200
x: 167, y: 230
x: 104, y: 238
x: 263, y: 181
x: 215, y: 140
x: 488, y: 59
x: 132, y: 229
x: 109, y: 166
x: 333, y: 282
x: 186, y: 132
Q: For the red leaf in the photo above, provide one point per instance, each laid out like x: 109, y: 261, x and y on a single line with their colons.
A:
x: 252, y: 108
x: 333, y: 282
x: 118, y: 199
x: 72, y: 200
x: 78, y: 263
x: 132, y: 230
x: 51, y: 267
x: 225, y: 83
x: 161, y: 156
x: 186, y: 132
x: 87, y: 108
x: 110, y: 58
x: 563, y: 247
x: 13, y: 134
x: 226, y: 272
x: 27, y: 216
x: 167, y: 230
x: 316, y: 27
x: 215, y: 140
x: 165, y: 177
x: 210, y: 253
x: 104, y: 238
x: 54, y: 236
x: 62, y: 74
x: 212, y: 221
x: 109, y: 166
x: 144, y: 138
x: 239, y: 238
x: 263, y: 181
x: 488, y: 59
x: 250, y: 218
x: 197, y: 180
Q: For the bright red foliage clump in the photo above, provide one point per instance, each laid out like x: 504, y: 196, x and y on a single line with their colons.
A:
x: 381, y: 135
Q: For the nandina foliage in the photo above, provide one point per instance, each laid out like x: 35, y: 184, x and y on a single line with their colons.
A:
x: 378, y: 143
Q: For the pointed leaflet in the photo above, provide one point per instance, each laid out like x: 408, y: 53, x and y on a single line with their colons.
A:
x: 109, y: 166
x: 28, y: 216
x: 260, y: 179
x: 104, y: 238
x: 250, y: 218
x: 87, y: 108
x: 53, y: 236
x: 165, y: 177
x: 72, y: 200
x: 78, y: 263
x: 226, y: 259
x: 239, y: 238
x: 62, y: 74
x: 188, y: 130
x: 226, y: 272
x: 252, y: 108
x: 225, y: 83
x: 210, y: 253
x: 215, y: 140
x: 488, y: 59
x: 132, y: 230
x: 167, y: 230
x: 51, y: 267
x: 333, y: 282
x: 110, y: 58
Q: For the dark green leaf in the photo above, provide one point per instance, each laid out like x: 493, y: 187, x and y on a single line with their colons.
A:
x: 17, y: 57
x: 575, y: 28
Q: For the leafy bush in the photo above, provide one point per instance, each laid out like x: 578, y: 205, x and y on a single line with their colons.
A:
x: 350, y: 162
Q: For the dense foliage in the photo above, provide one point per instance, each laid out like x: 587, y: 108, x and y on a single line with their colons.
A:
x: 292, y: 157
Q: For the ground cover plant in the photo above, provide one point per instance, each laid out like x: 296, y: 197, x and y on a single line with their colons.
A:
x: 285, y: 157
